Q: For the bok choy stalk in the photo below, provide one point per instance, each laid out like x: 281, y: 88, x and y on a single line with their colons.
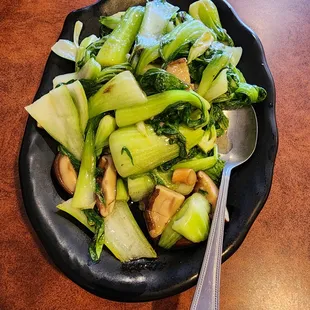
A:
x: 218, y: 87
x: 111, y: 21
x: 58, y: 115
x: 181, y: 35
x: 208, y: 140
x: 121, y: 191
x: 123, y: 236
x: 90, y: 70
x: 147, y: 56
x: 122, y: 91
x: 158, y: 103
x: 67, y: 49
x: 136, y: 153
x: 84, y: 197
x: 87, y: 50
x: 105, y: 75
x: 76, y: 213
x: 79, y: 98
x: 140, y: 186
x: 199, y: 163
x: 206, y: 11
x: 119, y: 42
x: 200, y: 45
x: 218, y: 62
x: 93, y: 221
x: 193, y: 216
x: 106, y: 126
x: 156, y: 17
x: 239, y: 93
x: 194, y: 224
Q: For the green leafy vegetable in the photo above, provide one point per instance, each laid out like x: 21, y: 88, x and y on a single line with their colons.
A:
x: 111, y: 21
x: 206, y: 11
x: 179, y: 37
x: 215, y: 172
x: 57, y: 114
x: 140, y: 186
x: 121, y: 191
x: 84, y: 197
x: 129, y: 242
x: 76, y: 213
x: 119, y: 42
x: 148, y: 151
x: 95, y: 247
x: 120, y: 92
x: 194, y: 224
x: 106, y: 126
x: 158, y: 103
x: 157, y: 80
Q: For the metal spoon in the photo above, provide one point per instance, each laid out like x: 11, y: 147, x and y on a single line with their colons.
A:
x: 242, y: 134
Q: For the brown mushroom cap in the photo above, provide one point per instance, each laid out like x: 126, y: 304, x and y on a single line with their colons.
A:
x: 108, y: 186
x: 206, y: 184
x: 65, y: 173
x: 162, y: 205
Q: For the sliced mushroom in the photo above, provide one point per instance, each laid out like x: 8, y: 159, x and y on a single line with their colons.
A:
x: 184, y: 175
x: 65, y: 173
x: 162, y: 205
x: 208, y: 187
x: 179, y: 68
x: 108, y: 186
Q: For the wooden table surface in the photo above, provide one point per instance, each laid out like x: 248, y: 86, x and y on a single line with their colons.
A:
x: 271, y: 270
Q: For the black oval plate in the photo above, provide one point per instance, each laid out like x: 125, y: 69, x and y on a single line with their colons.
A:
x: 174, y: 271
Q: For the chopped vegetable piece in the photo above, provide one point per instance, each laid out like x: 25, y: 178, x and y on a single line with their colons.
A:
x: 165, y: 179
x: 147, y: 152
x: 140, y: 187
x: 206, y: 11
x: 108, y: 185
x: 76, y: 213
x: 106, y: 126
x: 121, y: 191
x: 217, y: 63
x: 79, y: 98
x: 162, y: 206
x: 207, y: 187
x: 200, y: 45
x: 57, y: 114
x: 65, y: 173
x: 122, y: 91
x: 84, y: 197
x: 123, y: 236
x: 194, y: 224
x: 111, y: 21
x: 179, y: 69
x: 119, y: 42
x: 157, y: 104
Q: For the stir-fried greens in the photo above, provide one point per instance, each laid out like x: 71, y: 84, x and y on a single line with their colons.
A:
x: 139, y: 120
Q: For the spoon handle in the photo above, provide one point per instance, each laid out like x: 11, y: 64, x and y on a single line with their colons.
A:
x: 207, y: 290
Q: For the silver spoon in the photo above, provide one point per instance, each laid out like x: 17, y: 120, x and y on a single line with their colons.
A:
x: 242, y: 135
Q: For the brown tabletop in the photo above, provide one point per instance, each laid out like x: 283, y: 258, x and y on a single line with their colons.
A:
x: 271, y: 270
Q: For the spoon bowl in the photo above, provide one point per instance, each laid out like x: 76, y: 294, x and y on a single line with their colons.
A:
x: 239, y: 146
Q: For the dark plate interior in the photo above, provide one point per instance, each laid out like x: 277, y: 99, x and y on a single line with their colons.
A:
x: 173, y: 271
